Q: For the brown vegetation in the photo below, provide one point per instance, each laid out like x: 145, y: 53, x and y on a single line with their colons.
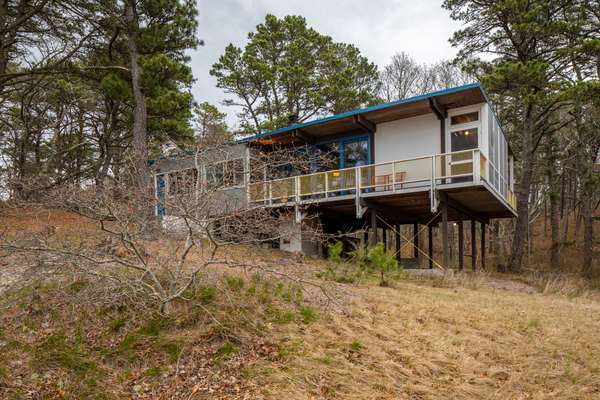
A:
x: 247, y: 335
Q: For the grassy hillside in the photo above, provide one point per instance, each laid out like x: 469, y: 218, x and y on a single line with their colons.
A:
x: 249, y: 335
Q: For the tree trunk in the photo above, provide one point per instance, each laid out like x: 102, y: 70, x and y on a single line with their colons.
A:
x: 588, y: 236
x: 3, y: 37
x: 499, y: 255
x: 140, y: 147
x: 554, y: 228
x: 523, y: 191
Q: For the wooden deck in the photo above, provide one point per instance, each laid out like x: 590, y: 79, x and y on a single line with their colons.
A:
x: 408, y: 190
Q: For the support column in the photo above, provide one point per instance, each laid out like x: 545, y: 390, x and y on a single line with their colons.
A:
x: 373, y: 238
x: 416, y: 240
x: 430, y: 244
x: 398, y: 242
x: 461, y: 246
x: 473, y: 246
x: 483, y: 245
x: 445, y: 250
x: 385, y: 242
x: 366, y: 238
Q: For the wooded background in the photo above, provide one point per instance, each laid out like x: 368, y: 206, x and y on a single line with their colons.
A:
x: 88, y: 86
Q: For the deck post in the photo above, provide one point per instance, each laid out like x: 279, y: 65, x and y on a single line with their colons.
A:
x: 416, y: 240
x: 483, y: 245
x: 430, y: 244
x: 384, y: 232
x: 366, y: 238
x: 461, y: 246
x: 445, y: 250
x: 398, y: 242
x: 373, y: 238
x: 473, y: 246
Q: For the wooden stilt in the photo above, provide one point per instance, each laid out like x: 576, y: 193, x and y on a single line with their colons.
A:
x: 373, y: 239
x: 445, y: 250
x: 366, y: 238
x: 430, y: 244
x: 461, y: 246
x: 473, y: 246
x: 416, y: 240
x: 385, y: 234
x: 482, y: 245
x: 398, y: 242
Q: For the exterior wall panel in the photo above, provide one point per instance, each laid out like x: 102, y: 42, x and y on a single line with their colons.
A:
x: 407, y: 138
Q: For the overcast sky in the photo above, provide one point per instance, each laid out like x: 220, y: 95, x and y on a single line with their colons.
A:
x: 379, y: 28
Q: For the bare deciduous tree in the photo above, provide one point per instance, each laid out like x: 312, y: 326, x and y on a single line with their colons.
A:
x: 163, y: 265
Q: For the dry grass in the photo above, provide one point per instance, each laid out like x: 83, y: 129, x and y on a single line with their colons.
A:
x: 423, y: 342
x: 442, y: 337
x: 39, y: 220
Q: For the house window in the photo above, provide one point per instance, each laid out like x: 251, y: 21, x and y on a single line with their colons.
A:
x: 345, y: 152
x: 464, y: 118
x: 225, y: 174
x: 182, y: 182
x: 465, y: 139
x: 356, y: 153
x: 463, y: 135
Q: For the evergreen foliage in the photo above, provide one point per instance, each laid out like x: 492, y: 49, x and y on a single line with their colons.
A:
x: 288, y: 68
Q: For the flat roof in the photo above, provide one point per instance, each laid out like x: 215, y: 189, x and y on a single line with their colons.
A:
x: 459, y: 96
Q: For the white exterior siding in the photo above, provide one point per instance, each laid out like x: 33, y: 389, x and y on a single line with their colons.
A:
x: 407, y: 138
x: 420, y: 137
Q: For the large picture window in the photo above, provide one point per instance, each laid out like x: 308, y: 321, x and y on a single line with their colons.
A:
x: 345, y: 152
x: 225, y: 174
x: 182, y: 182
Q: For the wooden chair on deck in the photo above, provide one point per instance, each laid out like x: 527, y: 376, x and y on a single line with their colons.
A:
x: 384, y: 182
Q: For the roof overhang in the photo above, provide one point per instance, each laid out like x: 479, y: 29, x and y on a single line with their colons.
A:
x: 365, y: 119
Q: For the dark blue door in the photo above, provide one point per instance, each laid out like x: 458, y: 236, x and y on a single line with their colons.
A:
x: 161, y: 184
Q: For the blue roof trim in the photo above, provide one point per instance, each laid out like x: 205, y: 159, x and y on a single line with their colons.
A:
x: 366, y: 109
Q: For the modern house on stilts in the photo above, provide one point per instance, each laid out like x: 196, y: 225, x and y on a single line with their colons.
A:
x: 427, y: 161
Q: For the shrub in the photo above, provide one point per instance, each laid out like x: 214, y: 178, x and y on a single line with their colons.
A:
x: 382, y: 261
x: 334, y: 252
x: 234, y: 283
x: 308, y: 315
x: 205, y: 294
x: 356, y: 346
x: 340, y: 271
x: 228, y: 350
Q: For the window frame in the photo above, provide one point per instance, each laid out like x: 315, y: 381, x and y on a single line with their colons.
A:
x: 467, y: 125
x: 341, y: 141
x: 238, y: 177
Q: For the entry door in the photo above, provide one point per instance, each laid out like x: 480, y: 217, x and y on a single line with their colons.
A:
x: 464, y: 135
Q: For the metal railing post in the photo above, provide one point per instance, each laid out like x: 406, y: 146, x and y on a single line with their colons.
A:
x: 476, y: 166
x: 357, y: 192
x: 270, y: 193
x: 326, y: 184
x: 394, y: 176
x: 432, y: 186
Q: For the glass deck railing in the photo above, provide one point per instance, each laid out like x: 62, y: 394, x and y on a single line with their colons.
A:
x: 393, y: 176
